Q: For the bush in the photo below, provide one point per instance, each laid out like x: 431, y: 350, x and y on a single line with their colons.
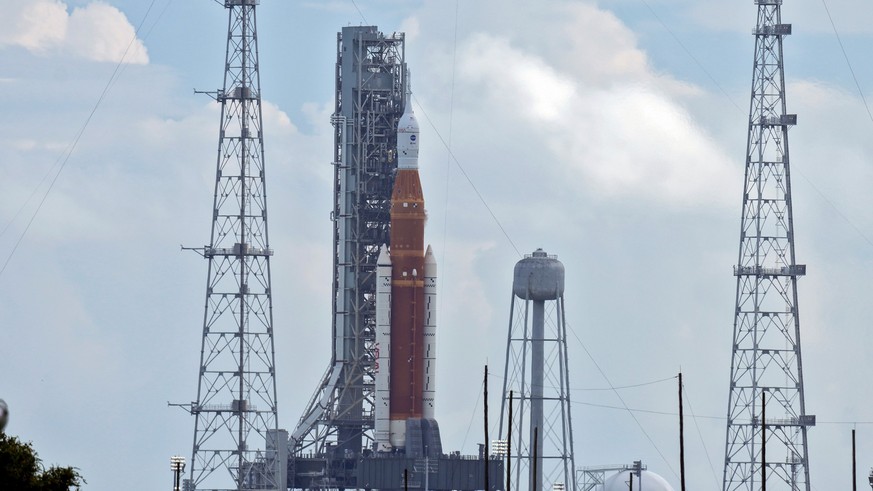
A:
x: 21, y: 469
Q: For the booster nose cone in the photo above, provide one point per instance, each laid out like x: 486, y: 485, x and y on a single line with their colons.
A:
x: 407, y: 138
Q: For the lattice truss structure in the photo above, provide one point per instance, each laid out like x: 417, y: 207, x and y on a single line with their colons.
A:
x: 370, y: 97
x: 236, y: 397
x: 766, y: 342
x: 589, y: 478
x: 556, y: 435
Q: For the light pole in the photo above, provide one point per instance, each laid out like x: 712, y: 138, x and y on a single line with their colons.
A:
x: 177, y: 465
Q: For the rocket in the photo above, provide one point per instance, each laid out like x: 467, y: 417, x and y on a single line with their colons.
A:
x: 406, y: 278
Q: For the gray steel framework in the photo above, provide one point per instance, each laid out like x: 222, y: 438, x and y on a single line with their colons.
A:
x: 589, y: 478
x: 766, y: 341
x: 370, y: 96
x: 536, y: 371
x: 235, y: 411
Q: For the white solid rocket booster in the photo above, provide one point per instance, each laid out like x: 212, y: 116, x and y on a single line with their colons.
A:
x: 430, y: 294
x: 383, y: 349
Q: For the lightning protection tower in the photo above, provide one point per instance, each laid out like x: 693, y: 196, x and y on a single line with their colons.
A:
x: 541, y: 452
x: 235, y: 410
x: 370, y: 97
x: 766, y: 363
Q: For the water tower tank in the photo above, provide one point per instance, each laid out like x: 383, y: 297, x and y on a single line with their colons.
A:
x: 538, y: 277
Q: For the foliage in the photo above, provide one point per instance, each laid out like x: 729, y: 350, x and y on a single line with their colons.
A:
x: 22, y: 470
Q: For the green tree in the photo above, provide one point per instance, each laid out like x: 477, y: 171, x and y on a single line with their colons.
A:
x: 22, y: 470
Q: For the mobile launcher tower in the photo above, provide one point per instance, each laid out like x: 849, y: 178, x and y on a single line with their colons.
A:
x: 370, y: 423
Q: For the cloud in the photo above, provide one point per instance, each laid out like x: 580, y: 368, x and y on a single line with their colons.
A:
x: 96, y: 32
x: 601, y: 114
x: 36, y: 25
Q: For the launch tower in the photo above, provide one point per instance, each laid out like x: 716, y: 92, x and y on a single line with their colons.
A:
x: 541, y: 452
x: 766, y: 364
x: 370, y: 97
x: 235, y: 411
x: 370, y: 423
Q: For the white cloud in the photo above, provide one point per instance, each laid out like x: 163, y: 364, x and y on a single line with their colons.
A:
x: 36, y: 25
x: 621, y: 130
x: 96, y: 32
x: 100, y: 32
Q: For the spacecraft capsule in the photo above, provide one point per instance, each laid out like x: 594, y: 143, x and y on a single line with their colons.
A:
x: 407, y: 138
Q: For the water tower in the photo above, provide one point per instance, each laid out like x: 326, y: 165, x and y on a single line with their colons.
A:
x: 541, y: 440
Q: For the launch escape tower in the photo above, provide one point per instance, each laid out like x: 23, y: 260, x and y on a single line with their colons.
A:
x: 370, y: 97
x: 537, y: 372
x: 766, y: 363
x: 235, y: 411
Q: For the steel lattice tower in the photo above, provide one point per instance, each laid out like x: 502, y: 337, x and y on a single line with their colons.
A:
x: 766, y: 363
x: 235, y: 411
x: 537, y: 372
x: 370, y: 97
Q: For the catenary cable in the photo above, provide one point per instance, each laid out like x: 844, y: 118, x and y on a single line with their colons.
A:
x: 690, y: 55
x: 846, y: 57
x: 359, y: 11
x: 467, y: 177
x: 702, y: 440
x: 604, y: 389
x: 714, y: 418
x: 67, y: 149
x: 621, y: 399
x: 65, y: 157
x: 448, y: 158
x: 473, y: 415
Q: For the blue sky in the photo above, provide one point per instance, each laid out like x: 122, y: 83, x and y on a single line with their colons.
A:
x: 587, y: 128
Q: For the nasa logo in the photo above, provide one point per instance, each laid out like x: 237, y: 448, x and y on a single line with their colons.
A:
x: 412, y: 137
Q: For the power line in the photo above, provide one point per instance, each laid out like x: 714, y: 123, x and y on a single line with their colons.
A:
x: 599, y: 389
x: 702, y: 440
x: 690, y: 55
x: 846, y: 57
x: 448, y: 157
x: 65, y: 156
x: 624, y: 405
x: 715, y: 418
x: 473, y: 416
x: 467, y: 177
x: 359, y: 11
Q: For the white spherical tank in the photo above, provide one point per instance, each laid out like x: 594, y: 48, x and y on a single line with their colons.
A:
x: 650, y: 482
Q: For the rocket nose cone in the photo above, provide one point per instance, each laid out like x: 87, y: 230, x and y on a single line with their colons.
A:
x: 428, y: 256
x: 384, y: 257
